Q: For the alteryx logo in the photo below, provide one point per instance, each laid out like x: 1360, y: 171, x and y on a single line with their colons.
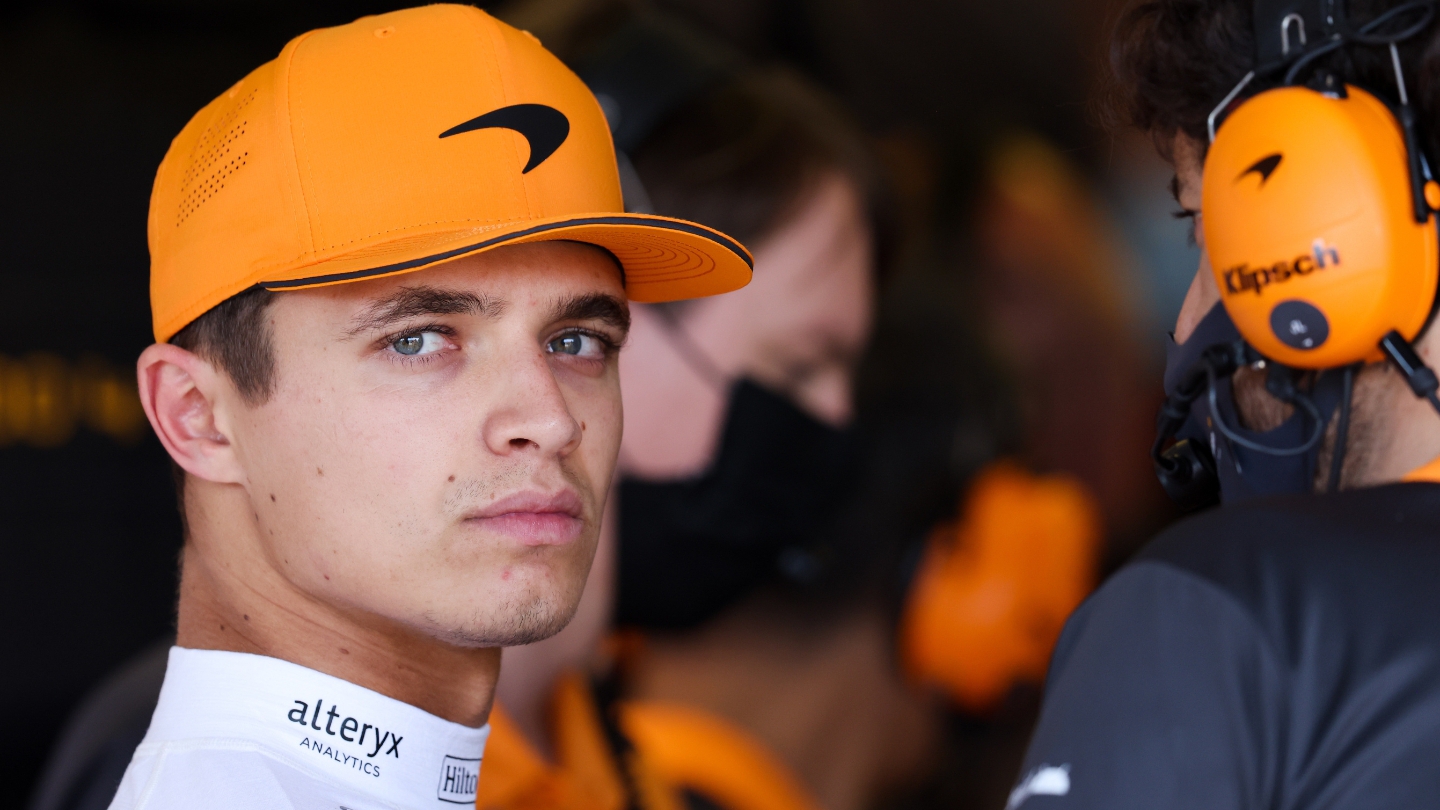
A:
x: 372, y: 739
x: 459, y: 778
x: 1240, y: 278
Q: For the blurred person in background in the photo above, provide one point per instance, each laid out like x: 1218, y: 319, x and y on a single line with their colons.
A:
x: 1281, y: 649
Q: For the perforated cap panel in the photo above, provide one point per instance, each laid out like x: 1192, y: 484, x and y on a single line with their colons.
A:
x: 220, y: 152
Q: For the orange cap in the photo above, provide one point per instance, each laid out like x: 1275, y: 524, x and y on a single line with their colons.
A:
x: 392, y: 144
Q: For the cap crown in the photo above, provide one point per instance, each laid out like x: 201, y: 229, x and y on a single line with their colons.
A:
x: 332, y: 156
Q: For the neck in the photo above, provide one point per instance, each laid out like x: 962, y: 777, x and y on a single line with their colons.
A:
x: 232, y: 598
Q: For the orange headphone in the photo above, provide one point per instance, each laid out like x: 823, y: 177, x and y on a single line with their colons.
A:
x: 1312, y: 236
x: 993, y: 590
x: 1317, y: 202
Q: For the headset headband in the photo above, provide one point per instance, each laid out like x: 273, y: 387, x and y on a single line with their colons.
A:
x: 1292, y: 34
x: 1286, y: 28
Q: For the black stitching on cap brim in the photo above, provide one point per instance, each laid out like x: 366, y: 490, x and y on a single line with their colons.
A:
x: 657, y: 224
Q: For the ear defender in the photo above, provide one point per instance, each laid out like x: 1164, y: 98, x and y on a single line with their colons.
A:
x: 1311, y: 222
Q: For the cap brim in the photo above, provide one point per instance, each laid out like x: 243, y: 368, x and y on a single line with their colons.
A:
x: 664, y: 259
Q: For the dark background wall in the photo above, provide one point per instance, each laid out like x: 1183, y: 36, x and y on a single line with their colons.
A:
x: 91, y: 96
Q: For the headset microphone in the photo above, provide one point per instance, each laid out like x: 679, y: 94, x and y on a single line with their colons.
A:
x: 1186, y: 469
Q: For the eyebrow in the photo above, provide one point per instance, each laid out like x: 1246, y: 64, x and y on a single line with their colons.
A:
x: 593, y: 306
x: 408, y: 302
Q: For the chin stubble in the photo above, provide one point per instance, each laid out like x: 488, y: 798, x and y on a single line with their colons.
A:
x: 1375, y: 385
x: 515, y: 622
x: 518, y: 619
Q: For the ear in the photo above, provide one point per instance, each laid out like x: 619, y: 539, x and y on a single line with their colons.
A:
x: 179, y: 392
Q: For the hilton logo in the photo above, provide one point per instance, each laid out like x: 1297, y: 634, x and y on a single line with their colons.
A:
x: 458, y: 778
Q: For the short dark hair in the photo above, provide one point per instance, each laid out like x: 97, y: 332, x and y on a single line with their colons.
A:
x: 743, y: 155
x: 235, y: 337
x: 1172, y: 61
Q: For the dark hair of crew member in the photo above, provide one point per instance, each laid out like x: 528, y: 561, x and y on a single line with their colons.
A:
x: 745, y: 154
x: 1172, y: 61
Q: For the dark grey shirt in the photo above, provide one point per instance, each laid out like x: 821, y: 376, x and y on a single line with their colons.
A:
x: 1279, y: 654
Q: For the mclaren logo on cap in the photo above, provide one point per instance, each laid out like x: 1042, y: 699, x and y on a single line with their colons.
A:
x: 1264, y: 167
x: 545, y: 128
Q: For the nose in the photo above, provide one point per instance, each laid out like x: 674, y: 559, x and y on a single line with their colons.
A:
x: 1202, y: 296
x: 529, y: 413
x: 826, y: 394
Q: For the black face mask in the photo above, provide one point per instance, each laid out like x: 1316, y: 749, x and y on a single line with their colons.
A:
x: 1245, y: 464
x: 690, y: 548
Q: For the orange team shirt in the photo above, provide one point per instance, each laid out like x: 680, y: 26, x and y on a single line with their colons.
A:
x: 674, y: 747
x: 585, y: 775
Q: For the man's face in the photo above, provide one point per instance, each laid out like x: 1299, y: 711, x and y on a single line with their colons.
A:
x: 798, y: 328
x: 439, y: 444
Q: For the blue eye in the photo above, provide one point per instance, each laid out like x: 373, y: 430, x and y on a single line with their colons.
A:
x: 417, y: 344
x: 577, y: 344
x: 567, y: 344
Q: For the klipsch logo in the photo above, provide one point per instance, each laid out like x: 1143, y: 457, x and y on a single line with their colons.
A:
x: 458, y: 779
x: 372, y: 740
x: 1241, y: 278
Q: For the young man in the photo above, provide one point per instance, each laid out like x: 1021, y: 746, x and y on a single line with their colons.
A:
x: 1282, y: 651
x: 389, y: 281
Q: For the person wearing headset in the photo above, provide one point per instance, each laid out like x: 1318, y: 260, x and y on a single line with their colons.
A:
x: 389, y: 284
x: 1282, y: 649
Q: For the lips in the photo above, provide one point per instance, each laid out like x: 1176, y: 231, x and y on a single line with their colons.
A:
x: 533, y: 518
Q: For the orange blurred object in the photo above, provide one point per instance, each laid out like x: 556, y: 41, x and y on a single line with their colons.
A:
x: 1060, y: 295
x: 698, y: 751
x: 585, y: 775
x: 993, y: 592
